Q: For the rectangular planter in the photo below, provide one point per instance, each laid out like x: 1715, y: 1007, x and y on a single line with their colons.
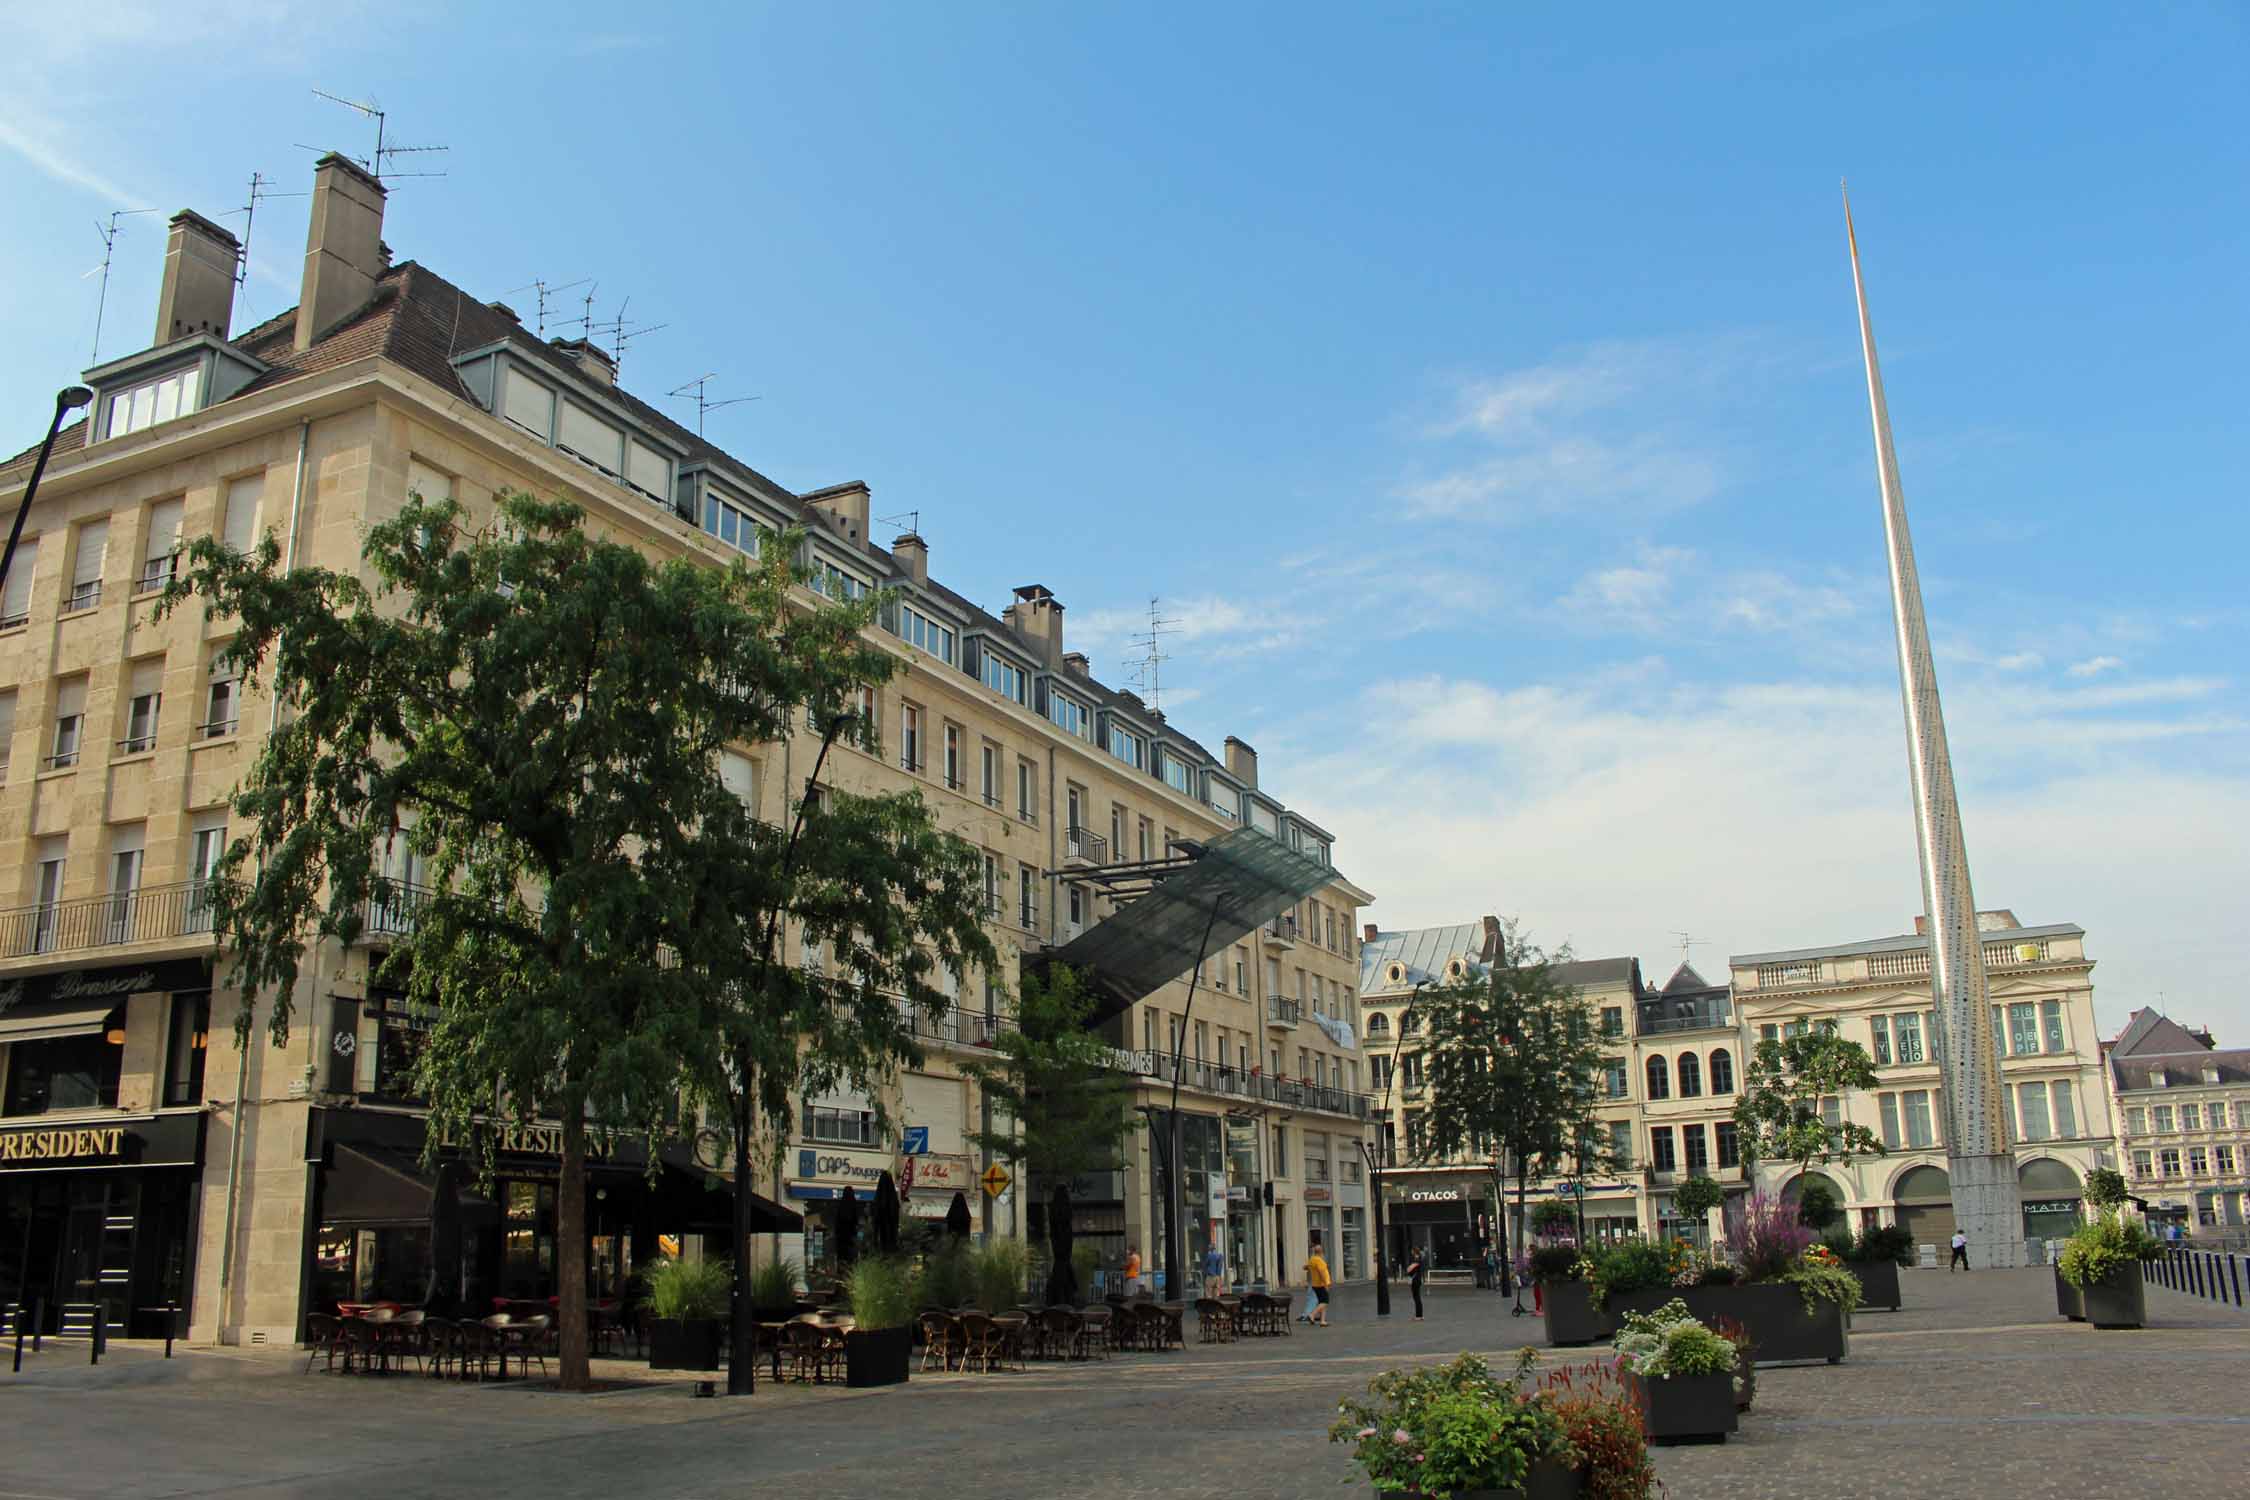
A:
x: 1547, y: 1480
x: 1773, y: 1311
x: 2069, y: 1301
x: 878, y: 1357
x: 1878, y: 1283
x: 1686, y: 1408
x: 1572, y: 1318
x: 683, y: 1344
x: 2118, y: 1301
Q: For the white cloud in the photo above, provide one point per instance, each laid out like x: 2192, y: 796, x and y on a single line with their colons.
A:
x: 39, y: 148
x: 1635, y: 589
x: 2094, y: 666
x: 2020, y: 661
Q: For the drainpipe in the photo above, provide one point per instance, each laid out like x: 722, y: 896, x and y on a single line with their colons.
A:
x: 242, y: 1068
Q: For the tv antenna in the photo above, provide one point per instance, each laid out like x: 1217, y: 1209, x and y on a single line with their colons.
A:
x: 618, y: 330
x: 108, y: 232
x: 378, y: 164
x: 905, y: 521
x: 695, y: 391
x: 1147, y: 668
x: 261, y: 188
x: 545, y: 289
x: 1687, y: 941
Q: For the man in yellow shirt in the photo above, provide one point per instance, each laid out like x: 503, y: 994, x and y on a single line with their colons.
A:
x: 1316, y: 1277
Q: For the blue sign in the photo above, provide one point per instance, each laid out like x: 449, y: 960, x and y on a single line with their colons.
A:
x: 917, y: 1141
x: 805, y: 1164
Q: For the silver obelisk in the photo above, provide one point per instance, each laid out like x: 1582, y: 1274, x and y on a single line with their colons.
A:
x: 1986, y: 1203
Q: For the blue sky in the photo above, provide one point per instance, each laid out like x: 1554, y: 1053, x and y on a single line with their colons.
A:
x: 1477, y: 386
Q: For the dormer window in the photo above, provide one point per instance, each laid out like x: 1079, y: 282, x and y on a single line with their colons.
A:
x: 925, y: 634
x: 1006, y: 678
x: 529, y: 405
x: 152, y: 401
x: 1224, y: 800
x: 587, y: 435
x: 731, y: 524
x: 1128, y: 747
x: 1178, y: 775
x: 1069, y: 714
x: 835, y: 582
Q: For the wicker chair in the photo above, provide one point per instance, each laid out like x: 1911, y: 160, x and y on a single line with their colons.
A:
x: 980, y: 1341
x: 941, y: 1339
x: 1213, y: 1324
x: 323, y: 1335
x: 811, y: 1354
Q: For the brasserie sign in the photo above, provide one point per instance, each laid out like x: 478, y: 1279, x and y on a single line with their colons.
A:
x: 103, y: 984
x: 85, y: 1142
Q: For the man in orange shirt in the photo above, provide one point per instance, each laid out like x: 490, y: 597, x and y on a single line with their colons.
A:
x: 1316, y: 1277
x: 1132, y: 1269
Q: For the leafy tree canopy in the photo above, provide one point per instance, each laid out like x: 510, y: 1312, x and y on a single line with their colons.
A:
x: 1061, y: 1105
x: 1779, y: 1112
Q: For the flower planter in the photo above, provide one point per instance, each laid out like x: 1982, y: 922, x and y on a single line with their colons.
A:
x: 1572, y: 1318
x: 1547, y: 1480
x: 1685, y: 1408
x: 1746, y: 1380
x: 683, y: 1343
x: 2118, y: 1300
x: 1773, y: 1311
x: 1878, y: 1283
x: 2069, y: 1301
x: 878, y: 1356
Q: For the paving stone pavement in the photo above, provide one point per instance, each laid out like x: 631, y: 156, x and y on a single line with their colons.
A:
x: 1976, y: 1388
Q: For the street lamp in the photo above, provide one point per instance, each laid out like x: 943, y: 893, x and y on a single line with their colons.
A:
x: 67, y: 400
x: 1375, y: 1161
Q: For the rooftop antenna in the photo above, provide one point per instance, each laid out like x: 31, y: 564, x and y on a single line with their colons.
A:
x: 704, y: 405
x: 905, y: 521
x: 377, y: 165
x: 1147, y: 668
x: 618, y: 330
x: 261, y: 188
x: 545, y: 289
x: 108, y: 232
x: 1687, y: 941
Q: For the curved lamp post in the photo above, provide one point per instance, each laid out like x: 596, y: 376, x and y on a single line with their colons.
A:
x: 67, y: 400
x: 1375, y: 1162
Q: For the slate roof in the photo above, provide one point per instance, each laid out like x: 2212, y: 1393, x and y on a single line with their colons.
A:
x: 1585, y: 972
x: 1424, y: 951
x: 1908, y: 942
x: 2152, y: 1040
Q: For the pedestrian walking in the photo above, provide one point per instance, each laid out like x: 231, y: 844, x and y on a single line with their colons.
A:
x: 1415, y: 1267
x: 1316, y: 1277
x: 1214, y: 1272
x: 1492, y: 1265
x: 1960, y: 1252
x: 1132, y: 1270
x: 1481, y: 1264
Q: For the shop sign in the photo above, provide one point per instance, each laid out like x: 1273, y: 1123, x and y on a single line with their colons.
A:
x: 946, y: 1175
x: 1434, y: 1195
x: 1237, y: 1193
x: 1215, y: 1206
x: 530, y: 1140
x: 852, y: 1167
x: 2052, y: 1206
x: 104, y: 984
x: 1317, y: 1195
x: 166, y: 1140
x: 87, y: 1142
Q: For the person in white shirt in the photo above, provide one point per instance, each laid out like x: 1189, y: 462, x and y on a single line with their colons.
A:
x: 1960, y: 1252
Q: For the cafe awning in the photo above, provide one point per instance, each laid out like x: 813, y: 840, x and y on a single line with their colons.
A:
x: 55, y: 1018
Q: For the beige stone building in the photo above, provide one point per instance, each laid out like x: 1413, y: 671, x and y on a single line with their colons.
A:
x: 1878, y: 994
x: 2180, y: 1107
x: 145, y: 1159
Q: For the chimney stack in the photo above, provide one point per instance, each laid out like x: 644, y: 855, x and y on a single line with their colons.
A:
x: 199, y: 265
x: 846, y: 504
x: 594, y: 362
x: 343, y: 246
x: 1242, y: 762
x: 1369, y: 933
x: 913, y: 556
x: 1037, y: 618
x: 1076, y: 664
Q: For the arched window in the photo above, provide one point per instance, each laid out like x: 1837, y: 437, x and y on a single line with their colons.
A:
x: 1722, y: 1071
x: 1378, y: 1024
x: 1659, y: 1082
x: 1691, y: 1076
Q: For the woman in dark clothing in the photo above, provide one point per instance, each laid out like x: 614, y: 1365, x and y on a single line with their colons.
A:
x: 1414, y: 1268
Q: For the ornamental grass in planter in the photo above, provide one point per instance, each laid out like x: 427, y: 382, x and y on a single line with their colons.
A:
x: 1874, y: 1256
x: 1603, y: 1420
x: 687, y: 1303
x: 2103, y: 1261
x: 879, y: 1345
x: 1458, y: 1431
x: 1682, y: 1373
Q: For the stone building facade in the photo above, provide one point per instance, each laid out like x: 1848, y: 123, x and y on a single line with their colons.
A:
x: 2180, y: 1107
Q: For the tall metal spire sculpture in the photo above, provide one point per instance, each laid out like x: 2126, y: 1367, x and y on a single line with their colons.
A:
x: 1986, y: 1200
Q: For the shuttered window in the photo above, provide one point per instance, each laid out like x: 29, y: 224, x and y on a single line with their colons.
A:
x: 239, y: 527
x: 15, y: 601
x: 530, y: 406
x: 589, y: 437
x: 163, y: 542
x: 86, y: 568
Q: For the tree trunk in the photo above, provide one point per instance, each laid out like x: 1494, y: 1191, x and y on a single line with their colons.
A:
x: 742, y: 1354
x: 570, y: 1253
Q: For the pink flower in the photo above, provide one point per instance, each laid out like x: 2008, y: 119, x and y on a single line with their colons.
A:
x: 1402, y: 1436
x: 1366, y: 1432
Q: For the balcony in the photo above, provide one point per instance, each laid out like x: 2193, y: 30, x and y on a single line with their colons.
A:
x: 1086, y: 846
x: 393, y: 916
x: 1658, y: 1017
x: 1218, y: 1078
x: 954, y: 1027
x: 1281, y: 932
x: 145, y: 915
x: 1284, y: 1014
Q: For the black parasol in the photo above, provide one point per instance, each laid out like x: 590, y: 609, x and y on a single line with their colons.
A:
x: 847, y: 1228
x: 957, y: 1217
x: 886, y: 1215
x: 1062, y: 1280
x: 443, y: 1296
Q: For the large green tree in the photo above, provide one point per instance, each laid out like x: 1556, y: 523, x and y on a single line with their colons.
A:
x: 1780, y: 1113
x: 1514, y: 1067
x: 1061, y: 1104
x: 540, y: 716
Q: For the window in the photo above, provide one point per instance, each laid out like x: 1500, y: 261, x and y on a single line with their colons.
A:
x: 846, y: 1120
x: 2031, y: 1109
x: 2136, y: 1121
x: 925, y: 634
x: 1241, y: 977
x: 1129, y: 748
x: 208, y: 848
x: 1906, y: 1032
x: 1003, y: 676
x: 239, y: 526
x: 529, y: 405
x: 125, y: 845
x: 1887, y: 1107
x: 2199, y: 1161
x: 1147, y: 836
x: 991, y: 767
x: 2191, y: 1117
x: 1613, y: 1071
x: 1379, y: 1071
x: 1178, y: 775
x: 86, y: 567
x: 868, y: 731
x: 2164, y: 1119
x: 2242, y: 1114
x: 1069, y: 715
x: 1621, y: 1143
x: 1224, y: 799
x: 1729, y: 1144
x: 183, y: 1053
x: 70, y: 722
x: 1027, y: 891
x: 837, y: 584
x: 143, y: 701
x: 2066, y: 1110
x: 2050, y: 1024
x: 1831, y: 1111
x: 1027, y: 792
x: 15, y: 600
x: 163, y: 545
x: 732, y: 524
x: 221, y: 705
x: 1697, y: 1153
x: 739, y: 775
x: 910, y: 737
x: 7, y: 726
x: 1881, y: 1051
x: 953, y: 757
x: 1769, y: 1033
x: 1659, y: 1079
x: 1919, y: 1136
x: 1722, y: 1071
x: 2143, y: 1164
x: 648, y: 471
x: 1613, y: 1020
x: 1661, y: 1155
x: 153, y: 401
x: 1281, y: 1150
x: 70, y: 1072
x: 53, y: 853
x: 2023, y: 1028
x: 1691, y: 1076
x: 992, y: 885
x: 2223, y: 1158
x: 2168, y: 1161
x: 587, y: 435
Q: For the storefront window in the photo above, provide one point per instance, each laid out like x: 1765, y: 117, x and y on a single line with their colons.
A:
x: 68, y: 1072
x: 400, y: 1036
x: 527, y: 1239
x: 1355, y: 1244
x: 183, y: 1054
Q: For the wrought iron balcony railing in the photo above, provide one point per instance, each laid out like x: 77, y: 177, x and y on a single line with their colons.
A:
x: 182, y: 909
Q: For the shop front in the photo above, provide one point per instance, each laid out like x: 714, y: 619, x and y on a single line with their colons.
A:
x: 1439, y: 1216
x: 824, y: 1177
x: 1351, y: 1215
x: 387, y: 1226
x: 2049, y: 1192
x: 102, y: 1211
x: 1320, y: 1225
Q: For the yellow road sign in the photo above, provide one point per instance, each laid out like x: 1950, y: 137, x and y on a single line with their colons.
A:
x: 995, y: 1180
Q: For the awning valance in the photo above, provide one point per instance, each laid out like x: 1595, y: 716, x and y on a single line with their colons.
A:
x: 55, y: 1018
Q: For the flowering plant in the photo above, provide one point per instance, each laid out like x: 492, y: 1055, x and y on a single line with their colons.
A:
x: 1766, y: 1237
x: 1452, y: 1427
x: 1670, y: 1342
x: 1821, y: 1255
x: 1604, y: 1425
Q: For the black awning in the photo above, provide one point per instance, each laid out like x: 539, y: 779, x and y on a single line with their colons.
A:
x: 693, y: 1198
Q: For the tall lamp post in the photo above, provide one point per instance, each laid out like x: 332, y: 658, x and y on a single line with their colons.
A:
x: 67, y: 400
x: 1375, y: 1161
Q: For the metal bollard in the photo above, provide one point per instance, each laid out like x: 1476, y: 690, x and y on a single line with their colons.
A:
x: 98, y: 1338
x: 171, y: 1327
x: 2234, y: 1274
